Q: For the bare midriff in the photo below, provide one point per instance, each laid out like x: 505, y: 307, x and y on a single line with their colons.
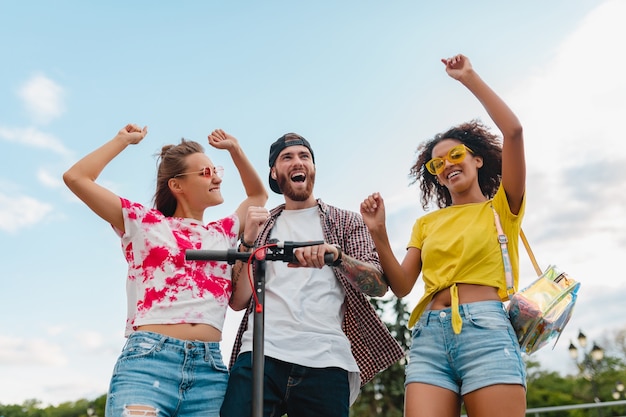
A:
x: 185, y: 331
x: 468, y: 293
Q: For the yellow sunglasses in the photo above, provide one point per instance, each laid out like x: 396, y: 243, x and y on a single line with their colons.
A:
x: 456, y: 155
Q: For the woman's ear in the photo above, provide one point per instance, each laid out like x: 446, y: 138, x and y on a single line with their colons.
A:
x: 174, y: 186
x: 479, y: 161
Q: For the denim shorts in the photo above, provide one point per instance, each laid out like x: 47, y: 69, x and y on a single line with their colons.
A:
x: 486, y: 352
x: 173, y: 376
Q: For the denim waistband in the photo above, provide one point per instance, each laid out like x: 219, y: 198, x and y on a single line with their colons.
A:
x: 465, y: 310
x: 163, y: 340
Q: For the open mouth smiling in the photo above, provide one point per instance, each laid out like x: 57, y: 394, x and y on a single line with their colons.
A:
x: 298, y: 177
x: 453, y: 174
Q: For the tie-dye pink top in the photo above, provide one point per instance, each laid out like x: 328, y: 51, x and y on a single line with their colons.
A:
x: 162, y: 287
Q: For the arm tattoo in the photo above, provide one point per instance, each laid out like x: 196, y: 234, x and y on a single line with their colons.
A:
x: 363, y: 276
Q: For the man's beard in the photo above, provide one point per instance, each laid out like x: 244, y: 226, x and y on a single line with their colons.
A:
x: 285, y: 184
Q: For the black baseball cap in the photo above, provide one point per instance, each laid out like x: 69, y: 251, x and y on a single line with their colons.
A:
x: 288, y: 139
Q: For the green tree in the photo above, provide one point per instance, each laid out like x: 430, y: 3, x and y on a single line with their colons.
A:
x: 33, y: 408
x: 12, y: 411
x: 597, y: 377
x: 548, y: 389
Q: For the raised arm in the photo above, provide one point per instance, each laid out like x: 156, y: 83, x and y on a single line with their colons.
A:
x: 513, y: 162
x: 81, y: 177
x: 401, y: 277
x: 252, y: 183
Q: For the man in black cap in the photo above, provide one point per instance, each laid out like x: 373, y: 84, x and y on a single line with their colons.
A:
x: 323, y: 339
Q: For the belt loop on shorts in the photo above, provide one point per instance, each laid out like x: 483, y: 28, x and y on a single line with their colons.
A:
x: 162, y: 340
x: 427, y: 319
x: 207, y: 351
x: 465, y: 311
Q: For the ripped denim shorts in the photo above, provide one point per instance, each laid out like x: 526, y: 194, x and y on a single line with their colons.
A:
x: 167, y: 376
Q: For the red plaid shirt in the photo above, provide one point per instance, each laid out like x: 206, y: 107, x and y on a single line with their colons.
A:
x: 373, y: 347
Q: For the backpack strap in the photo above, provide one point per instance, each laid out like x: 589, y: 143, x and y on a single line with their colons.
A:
x: 531, y: 255
x: 508, y: 269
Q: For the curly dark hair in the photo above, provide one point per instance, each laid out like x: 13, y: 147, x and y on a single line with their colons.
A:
x: 172, y: 161
x: 481, y: 141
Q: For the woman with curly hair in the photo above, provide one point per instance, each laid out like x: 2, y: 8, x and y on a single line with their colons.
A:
x: 464, y: 349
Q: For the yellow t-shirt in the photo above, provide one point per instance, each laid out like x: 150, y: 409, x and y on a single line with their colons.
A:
x: 459, y: 244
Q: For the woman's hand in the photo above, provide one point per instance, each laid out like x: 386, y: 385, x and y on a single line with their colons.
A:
x: 222, y: 140
x: 255, y: 218
x: 457, y: 66
x: 373, y: 212
x: 132, y: 133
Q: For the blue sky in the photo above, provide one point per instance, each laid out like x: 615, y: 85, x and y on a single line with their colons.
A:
x: 360, y: 79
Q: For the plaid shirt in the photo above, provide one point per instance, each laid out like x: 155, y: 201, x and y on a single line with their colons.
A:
x: 373, y: 347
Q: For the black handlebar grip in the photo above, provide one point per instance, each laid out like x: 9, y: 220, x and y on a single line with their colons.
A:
x: 206, y: 255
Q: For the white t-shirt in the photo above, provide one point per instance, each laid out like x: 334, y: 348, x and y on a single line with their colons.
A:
x: 164, y: 288
x: 304, y: 307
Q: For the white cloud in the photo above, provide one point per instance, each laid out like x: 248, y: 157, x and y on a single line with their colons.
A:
x: 42, y: 369
x: 33, y: 138
x: 571, y: 108
x: 43, y: 98
x: 570, y: 111
x: 20, y: 352
x: 48, y: 179
x: 17, y: 212
x: 53, y: 386
x: 55, y: 330
x: 90, y: 340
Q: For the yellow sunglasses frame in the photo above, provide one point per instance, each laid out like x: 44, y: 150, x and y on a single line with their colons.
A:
x: 430, y: 165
